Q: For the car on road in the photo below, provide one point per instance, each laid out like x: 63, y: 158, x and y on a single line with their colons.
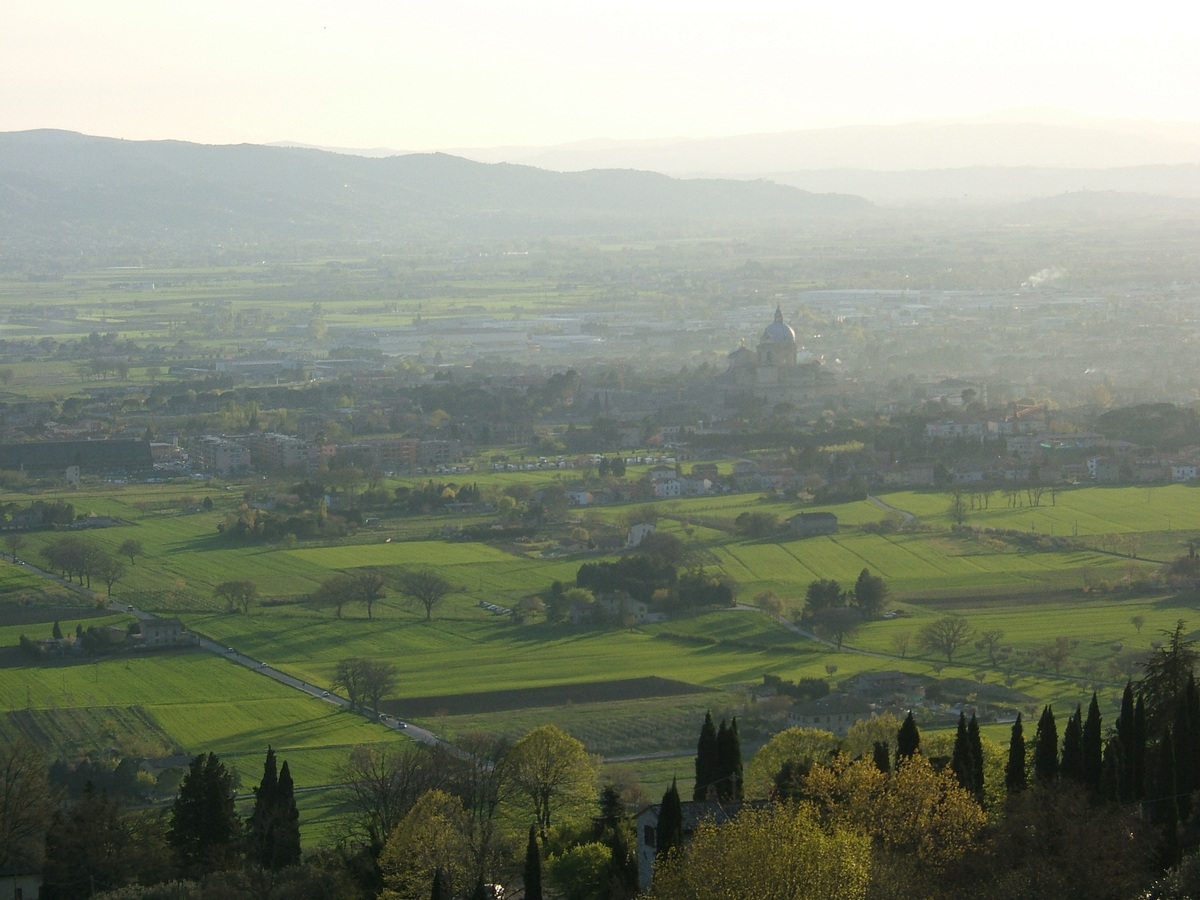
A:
x: 231, y: 650
x: 324, y: 693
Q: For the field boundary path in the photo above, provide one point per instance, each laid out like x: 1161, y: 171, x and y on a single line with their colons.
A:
x: 882, y: 504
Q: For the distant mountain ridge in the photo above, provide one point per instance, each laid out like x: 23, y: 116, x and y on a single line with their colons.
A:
x: 56, y: 187
x: 1008, y: 156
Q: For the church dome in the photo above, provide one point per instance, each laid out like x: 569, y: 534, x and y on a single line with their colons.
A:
x: 778, y: 332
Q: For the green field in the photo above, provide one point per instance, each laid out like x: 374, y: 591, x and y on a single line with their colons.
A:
x: 191, y: 702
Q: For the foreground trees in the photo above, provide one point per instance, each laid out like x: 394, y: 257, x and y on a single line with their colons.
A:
x: 26, y: 804
x: 554, y: 773
x: 429, y: 839
x: 204, y: 825
x: 776, y: 852
x: 273, y: 829
x: 381, y: 785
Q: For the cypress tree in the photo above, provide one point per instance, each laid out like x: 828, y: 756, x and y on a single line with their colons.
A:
x: 1045, y: 748
x: 960, y: 762
x: 533, y: 867
x: 1182, y: 752
x: 1014, y: 772
x: 1071, y: 766
x: 1093, y: 747
x: 287, y: 822
x: 612, y: 810
x: 975, y: 744
x: 1163, y: 808
x: 623, y: 874
x: 273, y: 830
x: 480, y: 892
x: 1187, y: 755
x: 669, y: 831
x: 706, y: 759
x: 204, y: 823
x: 908, y: 740
x: 729, y: 763
x: 1139, y: 749
x: 441, y: 886
x: 883, y: 757
x: 56, y: 632
x: 1123, y: 754
x: 260, y: 827
x: 1110, y: 771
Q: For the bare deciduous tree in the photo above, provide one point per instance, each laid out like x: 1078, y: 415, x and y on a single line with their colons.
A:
x: 947, y: 635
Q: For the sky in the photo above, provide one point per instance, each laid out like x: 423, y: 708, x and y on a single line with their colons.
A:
x: 481, y: 73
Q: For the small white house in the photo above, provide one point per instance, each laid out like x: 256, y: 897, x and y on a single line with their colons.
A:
x: 637, y: 532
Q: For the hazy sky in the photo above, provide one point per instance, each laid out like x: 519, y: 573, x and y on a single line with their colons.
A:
x: 472, y: 73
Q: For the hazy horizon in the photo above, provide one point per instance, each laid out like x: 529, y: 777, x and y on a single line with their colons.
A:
x: 409, y: 77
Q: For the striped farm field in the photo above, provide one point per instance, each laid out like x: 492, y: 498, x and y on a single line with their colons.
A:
x: 185, y: 702
x: 910, y: 563
x: 460, y: 651
x: 1083, y: 510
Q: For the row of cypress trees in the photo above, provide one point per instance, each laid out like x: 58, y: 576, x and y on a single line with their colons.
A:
x: 718, y: 762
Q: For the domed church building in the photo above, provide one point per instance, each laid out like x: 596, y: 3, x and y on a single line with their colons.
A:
x: 777, y: 346
x: 778, y: 370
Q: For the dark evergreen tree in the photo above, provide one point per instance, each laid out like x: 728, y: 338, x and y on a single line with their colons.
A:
x: 883, y: 757
x: 1110, y: 771
x: 975, y: 744
x: 56, y: 632
x: 729, y: 763
x: 1071, y: 764
x: 204, y: 824
x: 533, y: 867
x: 287, y: 830
x: 1162, y: 807
x: 87, y: 849
x: 480, y: 890
x: 441, y: 886
x: 1122, y: 754
x: 273, y: 829
x: 1139, y: 749
x: 908, y: 740
x: 1181, y: 750
x: 623, y: 874
x: 668, y: 834
x: 960, y: 761
x: 1187, y: 748
x: 260, y: 825
x: 1045, y: 748
x: 612, y: 811
x: 706, y: 759
x: 789, y: 780
x: 1093, y: 747
x: 1014, y: 772
x: 1166, y: 676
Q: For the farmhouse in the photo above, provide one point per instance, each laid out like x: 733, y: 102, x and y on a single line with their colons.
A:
x: 637, y: 532
x: 834, y: 713
x: 807, y: 524
x: 164, y: 633
x: 888, y: 686
x: 20, y: 882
